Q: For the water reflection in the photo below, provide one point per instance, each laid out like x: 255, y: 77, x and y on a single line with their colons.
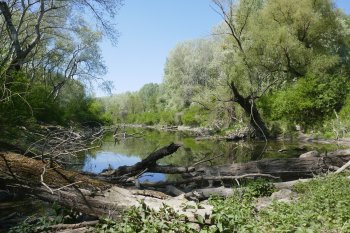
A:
x: 131, y: 150
x: 106, y: 159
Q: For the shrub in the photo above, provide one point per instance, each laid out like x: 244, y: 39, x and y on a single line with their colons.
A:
x: 195, y: 116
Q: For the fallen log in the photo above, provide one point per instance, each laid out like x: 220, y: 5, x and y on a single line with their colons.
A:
x: 204, y: 178
x: 98, y: 198
x: 229, y: 138
x: 285, y: 168
x: 23, y: 175
x: 73, y: 226
x: 222, y: 191
x: 149, y: 163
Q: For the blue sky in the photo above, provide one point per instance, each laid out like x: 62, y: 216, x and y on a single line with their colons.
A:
x: 149, y: 30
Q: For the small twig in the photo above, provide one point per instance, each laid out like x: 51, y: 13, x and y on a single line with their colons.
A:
x: 141, y: 173
x: 68, y: 185
x: 345, y: 166
x: 42, y: 180
x: 207, y: 160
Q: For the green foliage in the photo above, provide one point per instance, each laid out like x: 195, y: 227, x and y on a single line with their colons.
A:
x: 35, y: 224
x: 143, y: 219
x: 344, y: 113
x: 259, y: 188
x: 45, y: 109
x: 195, y: 116
x: 78, y: 107
x: 308, y: 102
x: 190, y: 68
x: 15, y: 110
x: 234, y: 214
x: 148, y: 118
x: 29, y: 101
x: 323, y: 205
x: 33, y: 102
x: 291, y: 57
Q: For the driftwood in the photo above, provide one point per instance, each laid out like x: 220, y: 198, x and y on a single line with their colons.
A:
x: 285, y: 168
x: 205, y: 178
x: 94, y: 197
x: 222, y: 191
x: 345, y: 166
x: 149, y: 163
x: 229, y: 138
x: 89, y: 195
x: 73, y: 226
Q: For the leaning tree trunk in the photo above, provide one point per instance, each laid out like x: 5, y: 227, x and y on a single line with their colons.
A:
x: 249, y: 107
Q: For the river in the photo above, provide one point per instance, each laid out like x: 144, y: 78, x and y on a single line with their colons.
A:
x: 130, y: 150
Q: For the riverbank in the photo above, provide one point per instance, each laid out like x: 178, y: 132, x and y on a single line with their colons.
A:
x: 142, y: 210
x: 316, y: 205
x: 204, y: 133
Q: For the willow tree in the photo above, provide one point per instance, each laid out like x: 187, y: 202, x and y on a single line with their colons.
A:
x: 190, y: 70
x: 272, y: 42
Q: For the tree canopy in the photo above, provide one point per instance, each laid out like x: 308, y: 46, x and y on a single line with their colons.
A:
x: 48, y: 45
x: 267, y: 61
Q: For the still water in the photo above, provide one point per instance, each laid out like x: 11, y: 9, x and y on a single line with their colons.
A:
x: 130, y: 150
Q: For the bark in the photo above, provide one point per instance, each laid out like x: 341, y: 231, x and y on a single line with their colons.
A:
x: 23, y: 175
x: 204, y: 178
x: 285, y: 168
x: 249, y: 107
x: 205, y: 193
x: 20, y: 53
x: 73, y: 226
x: 149, y: 163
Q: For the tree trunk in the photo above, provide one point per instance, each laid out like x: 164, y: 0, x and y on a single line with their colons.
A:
x: 285, y: 168
x: 249, y: 107
x: 25, y: 176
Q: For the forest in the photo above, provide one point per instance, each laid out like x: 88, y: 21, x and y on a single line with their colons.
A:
x: 271, y: 71
x: 283, y: 65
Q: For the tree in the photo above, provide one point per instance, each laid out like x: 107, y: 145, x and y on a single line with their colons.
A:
x: 189, y: 71
x: 148, y: 95
x: 270, y: 43
x: 52, y: 40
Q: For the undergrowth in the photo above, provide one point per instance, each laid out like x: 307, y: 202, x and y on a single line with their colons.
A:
x: 323, y: 205
x: 36, y: 224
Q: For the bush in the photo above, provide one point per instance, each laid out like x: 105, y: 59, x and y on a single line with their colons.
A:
x: 309, y: 102
x: 144, y: 219
x: 45, y: 109
x: 195, y: 116
x: 167, y: 117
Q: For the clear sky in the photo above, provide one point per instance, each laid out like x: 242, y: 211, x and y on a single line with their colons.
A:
x: 149, y: 30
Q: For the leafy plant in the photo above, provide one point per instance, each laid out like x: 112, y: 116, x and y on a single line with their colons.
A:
x: 35, y: 224
x: 259, y: 188
x: 144, y: 219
